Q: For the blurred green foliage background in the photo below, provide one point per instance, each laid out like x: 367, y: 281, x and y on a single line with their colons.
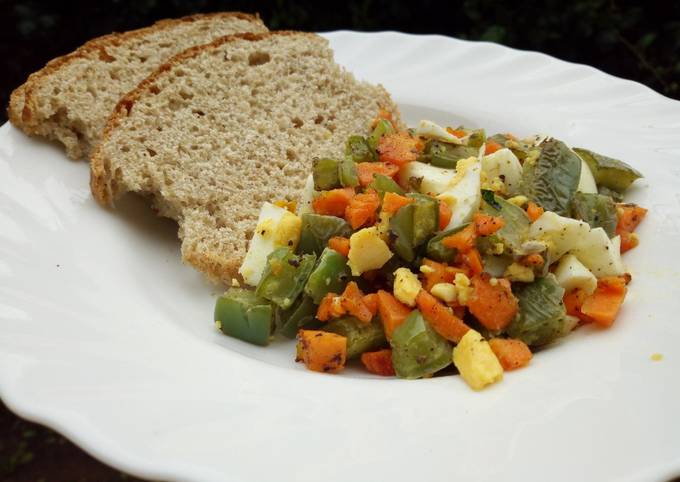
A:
x: 635, y: 40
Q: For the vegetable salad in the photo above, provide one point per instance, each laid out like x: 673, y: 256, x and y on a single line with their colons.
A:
x: 438, y: 249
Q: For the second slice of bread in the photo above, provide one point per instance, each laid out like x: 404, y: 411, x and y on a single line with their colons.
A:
x: 71, y: 98
x: 221, y: 128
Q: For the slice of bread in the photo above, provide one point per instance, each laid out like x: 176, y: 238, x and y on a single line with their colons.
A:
x: 223, y: 127
x: 72, y: 97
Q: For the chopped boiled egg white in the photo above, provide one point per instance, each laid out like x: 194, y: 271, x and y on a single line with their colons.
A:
x: 536, y: 139
x: 560, y: 234
x: 464, y: 194
x: 600, y: 254
x: 592, y: 247
x: 432, y: 179
x: 503, y: 164
x: 571, y: 274
x: 306, y: 197
x: 431, y: 130
x: 276, y: 227
x: 586, y: 182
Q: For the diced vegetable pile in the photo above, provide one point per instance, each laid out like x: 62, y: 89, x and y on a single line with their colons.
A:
x: 432, y: 247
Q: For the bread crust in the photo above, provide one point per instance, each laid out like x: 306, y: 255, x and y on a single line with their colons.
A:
x: 22, y: 102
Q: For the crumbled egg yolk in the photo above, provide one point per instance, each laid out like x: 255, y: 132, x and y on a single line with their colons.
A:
x: 367, y: 251
x: 287, y: 232
x: 445, y: 292
x: 476, y: 361
x: 463, y: 288
x: 518, y: 201
x: 518, y: 272
x: 406, y: 286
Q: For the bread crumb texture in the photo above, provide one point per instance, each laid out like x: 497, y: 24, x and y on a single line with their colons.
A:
x: 71, y: 98
x: 222, y: 128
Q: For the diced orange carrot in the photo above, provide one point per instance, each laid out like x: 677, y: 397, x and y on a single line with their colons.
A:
x: 330, y: 307
x: 392, y: 202
x: 463, y: 240
x: 440, y: 318
x: 383, y: 114
x: 486, y: 225
x: 353, y: 302
x: 392, y: 312
x: 511, y: 353
x: 630, y: 216
x: 573, y: 300
x: 493, y: 305
x: 445, y: 214
x: 459, y: 133
x: 399, y: 148
x: 366, y: 171
x: 437, y: 273
x: 371, y: 302
x: 604, y: 304
x: 533, y: 259
x: 473, y: 260
x: 333, y: 202
x: 339, y: 244
x: 361, y: 210
x: 322, y: 351
x: 491, y: 146
x: 379, y: 362
x: 628, y: 240
x: 534, y: 211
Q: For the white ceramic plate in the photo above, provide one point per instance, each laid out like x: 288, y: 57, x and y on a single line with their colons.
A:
x: 107, y: 337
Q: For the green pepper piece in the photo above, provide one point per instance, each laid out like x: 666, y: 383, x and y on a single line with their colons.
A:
x: 445, y: 155
x: 436, y: 250
x: 597, y: 210
x: 519, y: 148
x: 317, y: 229
x: 425, y: 217
x: 358, y: 150
x: 325, y: 174
x: 605, y: 191
x: 609, y: 172
x: 301, y: 315
x: 383, y: 184
x: 347, y: 173
x: 413, y: 224
x: 240, y: 313
x: 541, y: 315
x: 330, y: 275
x: 382, y: 128
x: 361, y: 337
x: 552, y: 179
x: 451, y: 154
x: 515, y: 229
x: 401, y: 226
x: 477, y: 139
x: 284, y: 277
x: 418, y: 350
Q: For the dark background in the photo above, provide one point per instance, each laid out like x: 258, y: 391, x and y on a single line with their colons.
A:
x: 634, y: 40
